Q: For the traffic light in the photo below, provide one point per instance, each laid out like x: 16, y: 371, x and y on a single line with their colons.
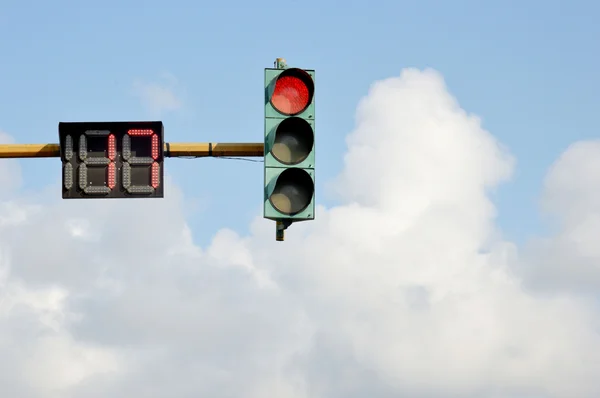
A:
x: 112, y: 159
x: 289, y: 144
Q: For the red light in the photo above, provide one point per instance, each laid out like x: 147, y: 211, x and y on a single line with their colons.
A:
x: 111, y: 176
x: 155, y: 175
x: 155, y: 147
x: 112, y: 147
x: 291, y: 94
x: 140, y: 133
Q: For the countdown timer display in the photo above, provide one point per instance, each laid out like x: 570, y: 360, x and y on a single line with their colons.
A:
x: 112, y: 159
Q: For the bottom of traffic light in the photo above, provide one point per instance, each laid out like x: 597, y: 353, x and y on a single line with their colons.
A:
x: 289, y: 197
x: 280, y: 227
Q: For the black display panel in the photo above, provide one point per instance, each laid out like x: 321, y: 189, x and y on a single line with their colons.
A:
x: 104, y: 160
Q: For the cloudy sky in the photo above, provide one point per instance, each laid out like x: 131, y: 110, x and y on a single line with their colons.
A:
x: 455, y: 252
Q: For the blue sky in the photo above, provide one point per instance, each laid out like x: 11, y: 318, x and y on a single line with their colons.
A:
x: 527, y: 68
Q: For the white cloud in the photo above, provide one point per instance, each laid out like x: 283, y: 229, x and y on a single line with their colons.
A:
x: 403, y: 290
x: 571, y: 260
x: 158, y: 98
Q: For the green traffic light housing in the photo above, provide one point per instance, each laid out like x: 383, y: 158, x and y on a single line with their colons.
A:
x: 289, y: 145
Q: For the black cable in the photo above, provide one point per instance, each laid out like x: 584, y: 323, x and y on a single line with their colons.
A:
x: 245, y: 159
x: 223, y: 157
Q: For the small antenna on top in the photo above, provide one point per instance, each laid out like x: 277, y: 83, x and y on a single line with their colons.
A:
x: 280, y: 63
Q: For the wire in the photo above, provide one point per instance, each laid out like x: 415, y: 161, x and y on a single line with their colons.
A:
x: 244, y: 159
x: 223, y: 157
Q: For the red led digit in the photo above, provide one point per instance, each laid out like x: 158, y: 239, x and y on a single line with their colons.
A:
x: 111, y: 175
x: 112, y: 153
x: 155, y: 147
x: 155, y: 175
x: 112, y: 147
x: 130, y: 161
x: 88, y: 162
x: 140, y: 132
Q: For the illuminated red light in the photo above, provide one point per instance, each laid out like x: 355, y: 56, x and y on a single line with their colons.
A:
x: 140, y: 132
x: 155, y: 147
x: 155, y: 175
x: 292, y: 93
x: 112, y: 147
x: 111, y: 176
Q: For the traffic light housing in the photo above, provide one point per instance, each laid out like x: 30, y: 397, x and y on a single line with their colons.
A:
x: 289, y: 144
x: 104, y: 160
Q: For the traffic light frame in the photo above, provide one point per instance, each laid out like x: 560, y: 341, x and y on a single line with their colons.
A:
x: 289, y: 148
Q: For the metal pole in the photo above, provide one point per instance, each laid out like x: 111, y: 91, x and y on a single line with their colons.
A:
x: 173, y: 150
x: 215, y: 149
x: 279, y: 231
x: 29, y: 151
